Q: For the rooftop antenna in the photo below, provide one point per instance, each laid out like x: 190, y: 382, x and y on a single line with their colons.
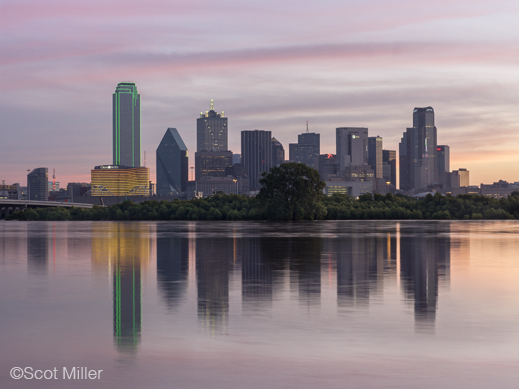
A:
x: 53, y: 179
x: 212, y: 105
x: 307, y: 126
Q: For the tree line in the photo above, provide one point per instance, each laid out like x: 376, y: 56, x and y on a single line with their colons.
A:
x: 293, y: 192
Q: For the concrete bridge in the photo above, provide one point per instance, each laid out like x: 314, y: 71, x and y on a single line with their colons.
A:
x: 9, y: 206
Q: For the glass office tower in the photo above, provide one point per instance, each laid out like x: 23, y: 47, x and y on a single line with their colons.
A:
x: 172, y: 164
x: 127, y: 125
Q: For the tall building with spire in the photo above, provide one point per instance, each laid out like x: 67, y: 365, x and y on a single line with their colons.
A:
x: 127, y: 125
x: 211, y: 131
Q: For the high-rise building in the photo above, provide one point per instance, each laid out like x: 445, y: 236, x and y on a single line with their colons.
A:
x: 37, y: 184
x: 389, y: 158
x: 464, y: 177
x: 278, y: 153
x: 351, y: 146
x: 212, y: 163
x: 375, y: 155
x: 211, y: 131
x: 418, y: 158
x: 308, y: 147
x: 127, y: 125
x: 256, y: 154
x: 443, y: 153
x: 327, y: 166
x: 172, y: 164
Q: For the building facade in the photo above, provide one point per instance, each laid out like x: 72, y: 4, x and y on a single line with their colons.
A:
x: 278, y: 153
x: 256, y: 154
x: 418, y: 158
x: 127, y: 125
x: 389, y: 158
x: 211, y: 131
x: 308, y: 147
x: 118, y: 180
x: 11, y: 192
x: 443, y: 154
x: 375, y: 155
x: 351, y: 188
x: 38, y: 184
x: 172, y: 164
x: 351, y: 146
x: 209, y: 186
x: 326, y: 165
x: 212, y: 163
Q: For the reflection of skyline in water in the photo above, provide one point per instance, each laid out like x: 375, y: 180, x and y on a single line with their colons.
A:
x: 424, y: 261
x: 123, y: 248
x: 256, y: 275
x: 68, y: 313
x: 38, y: 250
x: 172, y: 268
x: 212, y: 277
x: 305, y: 268
x: 363, y: 262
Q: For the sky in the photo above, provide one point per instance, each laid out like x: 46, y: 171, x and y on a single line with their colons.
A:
x: 270, y: 65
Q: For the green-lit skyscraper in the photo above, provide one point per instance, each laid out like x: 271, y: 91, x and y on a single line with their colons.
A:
x: 127, y: 125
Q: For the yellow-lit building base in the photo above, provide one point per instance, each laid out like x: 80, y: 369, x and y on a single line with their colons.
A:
x: 113, y: 180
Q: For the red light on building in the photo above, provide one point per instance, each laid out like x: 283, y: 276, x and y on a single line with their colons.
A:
x: 438, y: 149
x: 330, y: 156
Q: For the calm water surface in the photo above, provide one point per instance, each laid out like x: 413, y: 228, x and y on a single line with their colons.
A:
x: 256, y: 305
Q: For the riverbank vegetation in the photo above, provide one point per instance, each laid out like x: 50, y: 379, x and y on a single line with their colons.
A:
x: 336, y: 207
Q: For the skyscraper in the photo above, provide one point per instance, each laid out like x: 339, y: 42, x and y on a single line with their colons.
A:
x: 375, y: 155
x: 443, y: 152
x: 172, y: 164
x: 211, y: 131
x: 418, y: 158
x: 351, y: 146
x: 37, y: 184
x: 127, y: 125
x: 256, y: 154
x: 389, y: 158
x: 212, y: 163
x: 278, y: 153
x: 308, y: 147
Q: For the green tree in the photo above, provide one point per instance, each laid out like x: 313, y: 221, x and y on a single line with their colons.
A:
x: 292, y: 191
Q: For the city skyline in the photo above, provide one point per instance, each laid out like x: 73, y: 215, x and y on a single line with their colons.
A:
x: 334, y: 64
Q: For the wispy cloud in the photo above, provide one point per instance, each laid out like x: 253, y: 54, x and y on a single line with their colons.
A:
x: 270, y: 65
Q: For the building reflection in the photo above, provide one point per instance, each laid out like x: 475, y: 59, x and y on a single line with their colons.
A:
x: 213, y: 257
x: 256, y: 274
x: 172, y: 268
x: 38, y: 249
x: 424, y: 260
x: 305, y: 268
x: 264, y: 261
x: 123, y: 249
x: 364, y: 262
